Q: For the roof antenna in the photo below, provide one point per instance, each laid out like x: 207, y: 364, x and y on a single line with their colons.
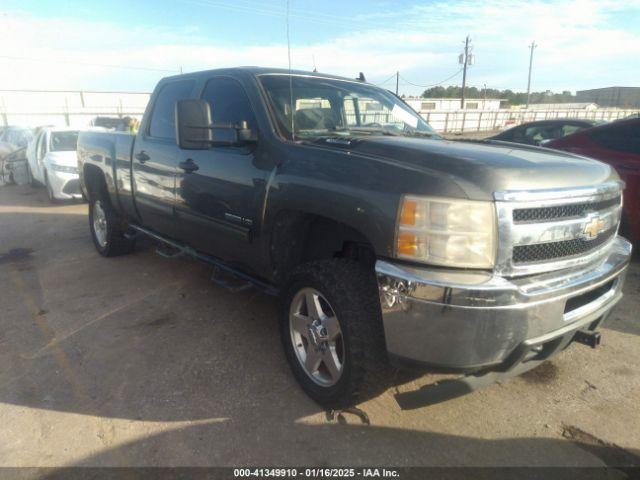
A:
x: 293, y: 123
x: 315, y: 69
x: 361, y: 77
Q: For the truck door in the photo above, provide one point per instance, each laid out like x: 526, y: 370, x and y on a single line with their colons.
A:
x: 218, y: 205
x: 156, y: 157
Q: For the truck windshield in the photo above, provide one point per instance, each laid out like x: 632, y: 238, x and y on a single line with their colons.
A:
x: 64, y: 141
x: 325, y: 107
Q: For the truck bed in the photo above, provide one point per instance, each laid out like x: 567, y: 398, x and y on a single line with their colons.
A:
x: 111, y: 152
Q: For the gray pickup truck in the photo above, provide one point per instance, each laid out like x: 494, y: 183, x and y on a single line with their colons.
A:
x: 387, y: 245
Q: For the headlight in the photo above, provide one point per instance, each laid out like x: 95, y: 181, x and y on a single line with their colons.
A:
x: 62, y: 168
x: 440, y: 231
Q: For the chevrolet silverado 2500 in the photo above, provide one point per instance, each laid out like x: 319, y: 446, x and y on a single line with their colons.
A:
x: 387, y: 244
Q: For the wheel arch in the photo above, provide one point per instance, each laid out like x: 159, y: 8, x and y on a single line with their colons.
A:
x: 298, y: 237
x: 93, y: 181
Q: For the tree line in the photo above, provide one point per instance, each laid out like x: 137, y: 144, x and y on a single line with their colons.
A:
x: 508, y: 96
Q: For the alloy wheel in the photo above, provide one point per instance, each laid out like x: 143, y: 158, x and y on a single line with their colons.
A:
x: 317, y: 337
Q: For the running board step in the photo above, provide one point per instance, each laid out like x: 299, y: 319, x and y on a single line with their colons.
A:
x: 167, y: 251
x: 229, y: 281
x: 239, y: 280
x: 132, y: 234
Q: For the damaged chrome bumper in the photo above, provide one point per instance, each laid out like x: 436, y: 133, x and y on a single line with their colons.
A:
x: 477, y: 321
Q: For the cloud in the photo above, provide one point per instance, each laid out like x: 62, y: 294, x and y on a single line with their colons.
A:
x: 582, y: 44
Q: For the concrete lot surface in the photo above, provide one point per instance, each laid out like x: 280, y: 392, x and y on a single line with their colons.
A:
x: 140, y: 360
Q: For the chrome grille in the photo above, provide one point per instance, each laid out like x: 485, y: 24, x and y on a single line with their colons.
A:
x: 544, y: 214
x: 540, y: 252
x: 543, y: 230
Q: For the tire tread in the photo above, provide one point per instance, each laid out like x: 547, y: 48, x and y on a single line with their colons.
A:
x: 351, y: 288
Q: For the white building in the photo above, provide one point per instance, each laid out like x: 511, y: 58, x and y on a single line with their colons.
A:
x: 560, y: 106
x: 426, y: 105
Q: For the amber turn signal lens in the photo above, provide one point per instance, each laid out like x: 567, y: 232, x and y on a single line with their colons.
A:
x: 409, y: 211
x: 407, y: 243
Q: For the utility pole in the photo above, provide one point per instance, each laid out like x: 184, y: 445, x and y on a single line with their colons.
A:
x: 531, y: 47
x: 484, y: 96
x: 397, y: 82
x: 464, y: 59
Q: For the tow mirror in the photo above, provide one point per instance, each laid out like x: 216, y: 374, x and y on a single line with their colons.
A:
x: 194, y: 130
x: 193, y: 124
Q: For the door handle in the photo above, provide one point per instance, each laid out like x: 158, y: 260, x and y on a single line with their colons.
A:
x: 188, y: 166
x: 142, y: 156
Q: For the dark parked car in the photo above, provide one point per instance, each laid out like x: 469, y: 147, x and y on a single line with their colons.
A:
x: 385, y: 243
x: 617, y: 144
x: 538, y: 133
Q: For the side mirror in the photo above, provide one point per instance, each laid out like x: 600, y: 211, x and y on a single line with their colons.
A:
x: 194, y: 130
x: 193, y: 124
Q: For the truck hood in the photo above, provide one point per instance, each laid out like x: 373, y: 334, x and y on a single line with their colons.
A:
x: 482, y: 168
x: 66, y: 159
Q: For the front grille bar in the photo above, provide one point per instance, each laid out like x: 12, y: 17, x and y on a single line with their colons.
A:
x: 546, y: 230
x: 575, y: 210
x: 540, y: 252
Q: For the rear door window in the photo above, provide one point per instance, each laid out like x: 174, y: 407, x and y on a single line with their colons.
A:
x: 569, y: 128
x: 163, y: 122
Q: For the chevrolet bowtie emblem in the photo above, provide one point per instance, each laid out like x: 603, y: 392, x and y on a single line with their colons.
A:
x: 593, y: 228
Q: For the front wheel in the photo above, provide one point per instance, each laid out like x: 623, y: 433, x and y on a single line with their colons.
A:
x: 30, y: 179
x: 331, y: 329
x: 50, y: 194
x: 107, y: 228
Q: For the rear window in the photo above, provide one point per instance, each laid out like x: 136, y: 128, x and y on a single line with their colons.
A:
x: 63, y: 141
x: 162, y: 123
x: 621, y: 138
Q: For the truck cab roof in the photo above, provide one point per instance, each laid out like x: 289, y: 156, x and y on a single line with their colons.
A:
x: 257, y: 71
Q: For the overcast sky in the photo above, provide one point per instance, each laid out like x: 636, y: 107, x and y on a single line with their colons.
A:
x: 48, y: 44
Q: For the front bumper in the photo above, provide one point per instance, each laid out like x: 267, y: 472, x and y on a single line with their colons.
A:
x: 477, y: 321
x: 64, y: 185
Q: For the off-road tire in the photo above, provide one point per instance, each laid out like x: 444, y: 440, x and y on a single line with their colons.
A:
x: 351, y: 290
x: 116, y: 241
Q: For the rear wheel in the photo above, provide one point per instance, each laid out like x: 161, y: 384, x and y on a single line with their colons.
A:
x: 331, y: 329
x: 108, y: 228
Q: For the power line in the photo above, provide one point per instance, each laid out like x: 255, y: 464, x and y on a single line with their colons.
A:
x: 429, y: 86
x: 386, y: 81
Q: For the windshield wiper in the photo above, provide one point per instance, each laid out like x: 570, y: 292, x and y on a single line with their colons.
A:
x: 372, y: 130
x: 417, y: 133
